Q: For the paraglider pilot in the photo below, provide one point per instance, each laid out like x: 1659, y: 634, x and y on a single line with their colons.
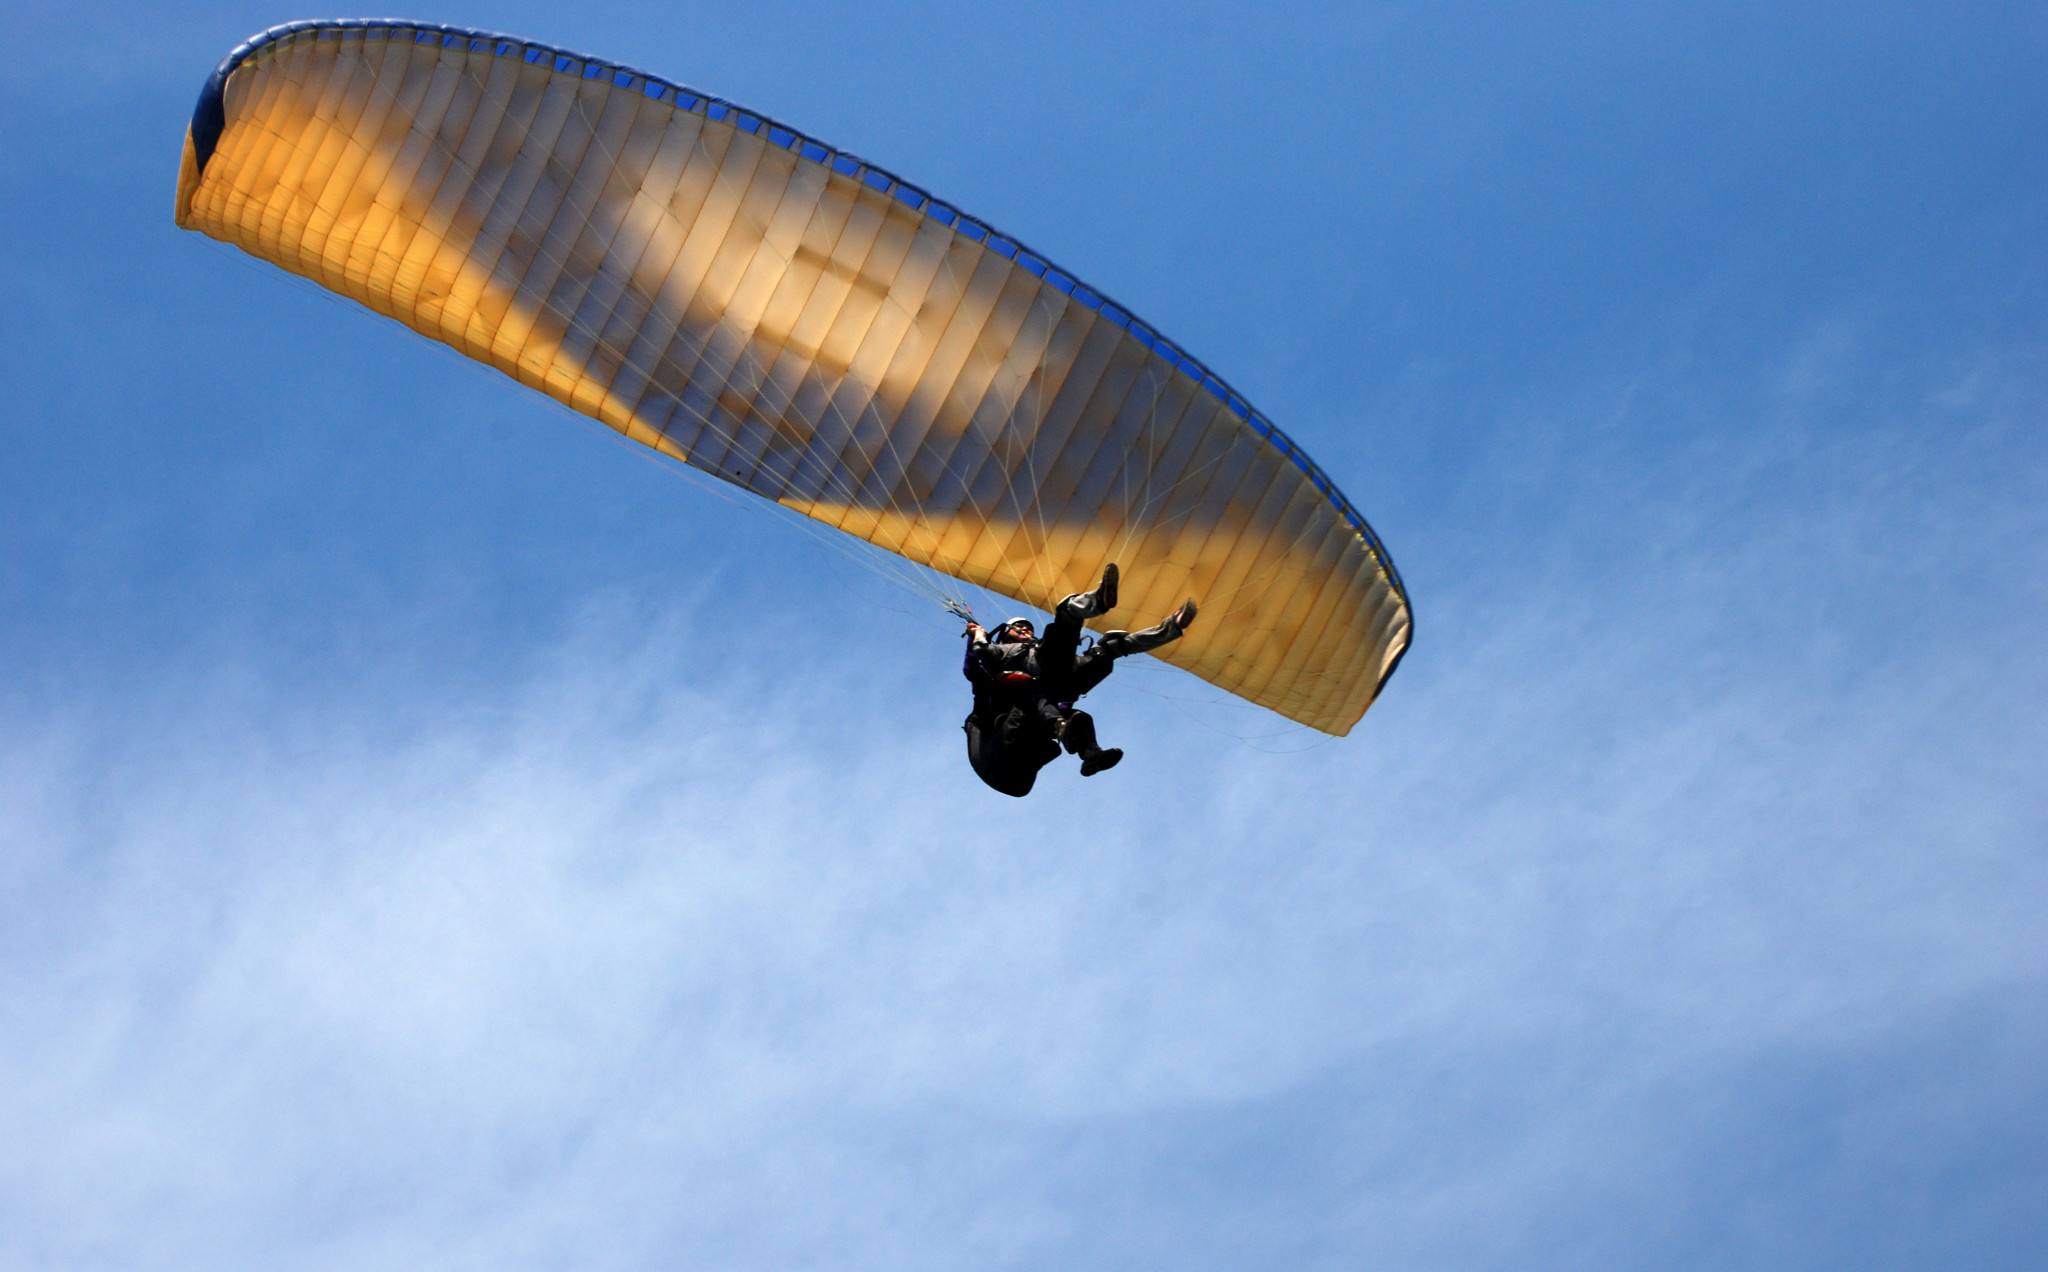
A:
x: 1025, y: 687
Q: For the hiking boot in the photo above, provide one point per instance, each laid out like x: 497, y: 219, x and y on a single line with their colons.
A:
x: 1105, y: 591
x: 1096, y: 761
x: 1093, y: 604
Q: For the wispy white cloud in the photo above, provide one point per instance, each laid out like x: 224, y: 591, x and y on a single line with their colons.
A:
x: 602, y: 961
x: 1693, y: 856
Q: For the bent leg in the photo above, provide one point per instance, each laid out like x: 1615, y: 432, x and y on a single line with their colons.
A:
x: 1093, y: 667
x: 1164, y: 632
x: 1063, y: 635
x: 1077, y: 733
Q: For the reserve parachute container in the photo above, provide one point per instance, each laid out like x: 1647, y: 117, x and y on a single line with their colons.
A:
x: 790, y: 318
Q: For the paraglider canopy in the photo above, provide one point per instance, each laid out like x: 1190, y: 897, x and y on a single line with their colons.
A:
x: 788, y: 317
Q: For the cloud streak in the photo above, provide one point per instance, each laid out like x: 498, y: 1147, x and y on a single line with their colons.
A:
x: 603, y: 961
x: 1676, y: 906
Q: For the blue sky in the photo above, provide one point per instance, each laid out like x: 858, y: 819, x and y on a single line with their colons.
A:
x: 432, y: 834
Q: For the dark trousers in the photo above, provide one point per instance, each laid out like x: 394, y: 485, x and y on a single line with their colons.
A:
x: 1067, y: 671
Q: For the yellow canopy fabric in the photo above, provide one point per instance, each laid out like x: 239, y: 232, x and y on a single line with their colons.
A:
x: 800, y: 323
